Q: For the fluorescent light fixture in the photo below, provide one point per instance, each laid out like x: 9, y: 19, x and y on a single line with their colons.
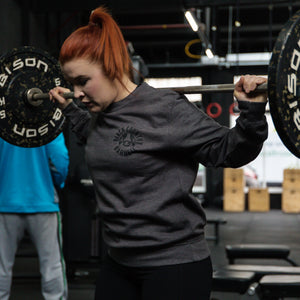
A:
x: 209, y: 53
x: 249, y: 57
x: 195, y: 26
x: 192, y: 21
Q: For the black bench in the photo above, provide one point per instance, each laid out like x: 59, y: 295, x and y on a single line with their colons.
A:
x: 264, y: 281
x: 273, y: 287
x: 216, y: 222
x: 263, y: 270
x: 232, y: 281
x: 261, y: 251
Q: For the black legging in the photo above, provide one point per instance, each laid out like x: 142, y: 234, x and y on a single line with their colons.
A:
x: 190, y: 281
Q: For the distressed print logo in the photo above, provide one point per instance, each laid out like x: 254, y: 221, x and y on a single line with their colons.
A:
x: 126, y: 139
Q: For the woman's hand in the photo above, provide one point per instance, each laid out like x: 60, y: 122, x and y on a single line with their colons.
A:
x: 56, y: 96
x: 245, y: 89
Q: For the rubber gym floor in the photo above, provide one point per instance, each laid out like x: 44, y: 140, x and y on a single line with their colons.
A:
x: 272, y: 227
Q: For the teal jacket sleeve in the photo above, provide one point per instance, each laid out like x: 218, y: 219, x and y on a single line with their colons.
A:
x: 58, y: 156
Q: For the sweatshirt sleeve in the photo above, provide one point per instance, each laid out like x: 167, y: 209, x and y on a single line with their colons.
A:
x: 79, y: 120
x: 213, y: 145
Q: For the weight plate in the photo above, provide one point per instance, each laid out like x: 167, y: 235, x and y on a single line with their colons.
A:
x: 283, y: 85
x: 23, y: 124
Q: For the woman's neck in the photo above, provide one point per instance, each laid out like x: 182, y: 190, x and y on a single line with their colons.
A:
x: 125, y: 88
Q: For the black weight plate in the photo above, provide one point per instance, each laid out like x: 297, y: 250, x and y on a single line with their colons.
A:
x: 22, y: 124
x: 283, y: 85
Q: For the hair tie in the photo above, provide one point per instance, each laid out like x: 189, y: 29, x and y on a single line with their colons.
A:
x: 95, y: 24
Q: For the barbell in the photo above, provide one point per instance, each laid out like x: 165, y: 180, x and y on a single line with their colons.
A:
x: 27, y: 74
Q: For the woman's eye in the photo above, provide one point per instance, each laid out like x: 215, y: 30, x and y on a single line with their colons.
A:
x: 82, y: 82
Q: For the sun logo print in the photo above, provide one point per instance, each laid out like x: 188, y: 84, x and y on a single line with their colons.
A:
x: 126, y: 139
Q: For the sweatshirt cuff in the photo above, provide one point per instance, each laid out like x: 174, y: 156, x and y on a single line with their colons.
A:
x: 72, y: 107
x: 254, y: 110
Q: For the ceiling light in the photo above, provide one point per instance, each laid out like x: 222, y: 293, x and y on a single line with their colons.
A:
x: 194, y: 23
x: 191, y: 19
x: 209, y: 53
x: 237, y: 24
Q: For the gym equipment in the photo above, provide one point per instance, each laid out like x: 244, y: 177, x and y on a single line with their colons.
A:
x: 258, y: 251
x: 216, y: 222
x: 276, y: 287
x: 27, y: 74
x: 267, y: 282
x: 24, y: 122
x: 262, y: 270
x: 232, y: 281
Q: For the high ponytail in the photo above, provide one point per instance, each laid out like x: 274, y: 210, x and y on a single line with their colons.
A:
x: 100, y: 41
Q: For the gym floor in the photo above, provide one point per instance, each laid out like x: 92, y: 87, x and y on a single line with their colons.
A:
x: 273, y: 227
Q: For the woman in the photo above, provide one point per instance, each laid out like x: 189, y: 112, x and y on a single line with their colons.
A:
x: 143, y: 147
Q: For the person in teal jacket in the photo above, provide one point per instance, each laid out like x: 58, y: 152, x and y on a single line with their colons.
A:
x: 30, y: 178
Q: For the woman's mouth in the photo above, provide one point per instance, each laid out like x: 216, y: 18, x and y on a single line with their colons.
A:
x: 88, y: 104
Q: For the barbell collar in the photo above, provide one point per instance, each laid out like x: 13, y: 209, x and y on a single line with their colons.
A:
x: 29, y: 97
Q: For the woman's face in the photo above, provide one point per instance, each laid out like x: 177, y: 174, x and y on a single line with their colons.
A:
x: 91, y: 85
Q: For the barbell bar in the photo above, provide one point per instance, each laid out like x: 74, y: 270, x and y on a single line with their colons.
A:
x: 34, y: 95
x: 214, y: 88
x: 27, y: 74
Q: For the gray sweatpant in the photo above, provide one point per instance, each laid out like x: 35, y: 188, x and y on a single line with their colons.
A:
x: 45, y: 232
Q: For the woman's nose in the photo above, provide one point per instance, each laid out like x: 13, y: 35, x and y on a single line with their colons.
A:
x: 78, y: 93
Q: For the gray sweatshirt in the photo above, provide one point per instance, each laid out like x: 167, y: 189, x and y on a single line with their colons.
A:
x: 143, y: 154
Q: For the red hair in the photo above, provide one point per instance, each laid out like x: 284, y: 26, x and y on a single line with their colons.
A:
x: 100, y: 41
